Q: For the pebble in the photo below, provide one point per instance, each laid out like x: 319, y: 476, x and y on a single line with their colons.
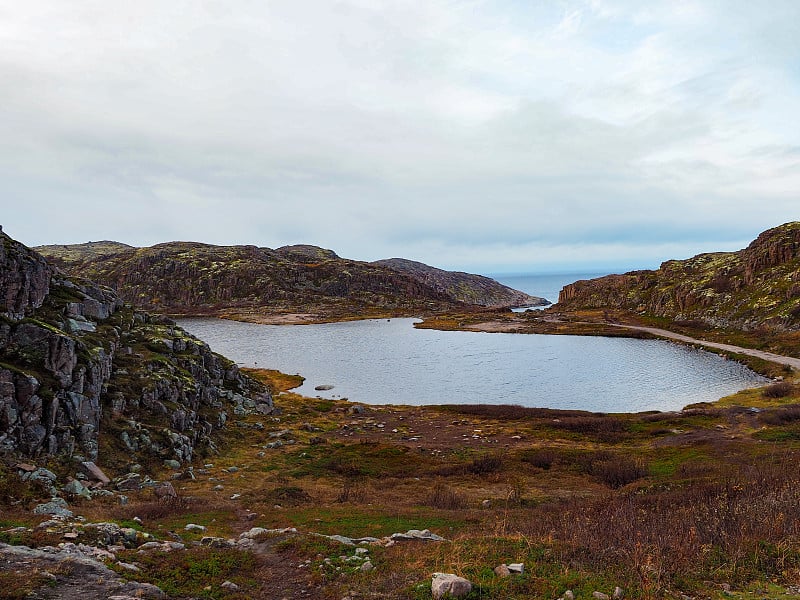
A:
x: 447, y: 585
x: 502, y: 571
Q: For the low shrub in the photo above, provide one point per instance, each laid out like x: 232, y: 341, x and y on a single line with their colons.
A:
x: 483, y: 465
x: 155, y: 509
x: 290, y: 495
x: 491, y: 463
x: 782, y: 389
x: 735, y: 528
x: 352, y: 491
x: 780, y: 416
x: 619, y: 472
x: 593, y: 425
x: 541, y: 457
x: 446, y: 498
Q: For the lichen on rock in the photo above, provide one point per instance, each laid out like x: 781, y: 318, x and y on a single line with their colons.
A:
x: 80, y: 369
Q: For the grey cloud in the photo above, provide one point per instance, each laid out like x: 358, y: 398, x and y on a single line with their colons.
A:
x: 397, y: 129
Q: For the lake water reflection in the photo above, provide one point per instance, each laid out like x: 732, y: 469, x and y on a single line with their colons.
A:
x: 390, y: 362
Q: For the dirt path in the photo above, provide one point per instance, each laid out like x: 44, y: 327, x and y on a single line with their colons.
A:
x: 776, y: 358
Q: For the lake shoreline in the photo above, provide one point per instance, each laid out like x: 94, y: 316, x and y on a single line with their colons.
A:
x: 383, y: 361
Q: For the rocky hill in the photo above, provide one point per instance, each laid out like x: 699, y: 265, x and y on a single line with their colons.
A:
x: 194, y: 278
x: 463, y: 287
x: 751, y: 288
x: 82, y: 372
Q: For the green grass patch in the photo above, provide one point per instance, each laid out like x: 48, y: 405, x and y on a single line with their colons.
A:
x: 353, y: 460
x: 353, y: 521
x: 669, y: 460
x: 189, y: 573
x: 778, y: 434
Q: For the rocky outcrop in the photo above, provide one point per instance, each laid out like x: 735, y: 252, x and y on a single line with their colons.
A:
x: 24, y: 279
x: 754, y: 287
x: 77, y: 364
x: 463, y: 287
x: 70, y: 571
x: 193, y: 278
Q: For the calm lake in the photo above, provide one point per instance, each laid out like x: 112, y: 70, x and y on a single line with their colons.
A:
x: 390, y: 362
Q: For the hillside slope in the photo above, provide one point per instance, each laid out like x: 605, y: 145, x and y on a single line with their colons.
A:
x: 463, y: 287
x: 81, y: 372
x: 195, y: 278
x: 758, y: 286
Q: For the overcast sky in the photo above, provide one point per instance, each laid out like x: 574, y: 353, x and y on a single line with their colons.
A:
x: 490, y: 136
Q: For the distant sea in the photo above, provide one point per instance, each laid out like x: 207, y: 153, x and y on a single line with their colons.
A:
x: 545, y: 286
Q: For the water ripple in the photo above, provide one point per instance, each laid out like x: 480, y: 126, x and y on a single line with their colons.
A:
x: 390, y: 362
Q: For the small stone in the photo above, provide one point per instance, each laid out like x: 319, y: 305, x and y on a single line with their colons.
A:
x: 71, y: 535
x: 194, y: 527
x: 517, y: 568
x: 449, y: 585
x: 131, y: 481
x: 165, y: 490
x: 217, y: 542
x: 76, y: 488
x: 56, y: 507
x: 172, y: 464
x: 486, y: 504
x: 150, y: 546
x: 618, y: 594
x: 128, y: 566
x: 42, y: 473
x: 502, y: 571
x: 218, y: 488
x: 568, y: 595
x: 230, y: 586
x: 366, y: 567
x: 600, y: 596
x: 361, y: 551
x: 94, y: 472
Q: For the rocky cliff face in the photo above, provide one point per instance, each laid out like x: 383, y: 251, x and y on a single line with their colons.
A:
x: 755, y: 287
x: 79, y: 370
x: 193, y: 278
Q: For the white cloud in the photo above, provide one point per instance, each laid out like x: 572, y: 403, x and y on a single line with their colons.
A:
x: 467, y: 133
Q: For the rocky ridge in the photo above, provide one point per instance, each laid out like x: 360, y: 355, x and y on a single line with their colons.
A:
x: 756, y: 287
x: 80, y: 370
x: 193, y: 278
x: 463, y: 287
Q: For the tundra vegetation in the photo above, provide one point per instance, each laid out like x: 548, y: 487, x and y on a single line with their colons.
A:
x: 701, y: 503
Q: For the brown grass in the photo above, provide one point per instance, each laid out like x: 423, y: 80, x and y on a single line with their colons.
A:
x: 446, y: 498
x: 780, y: 416
x: 275, y: 380
x: 749, y: 521
x: 781, y: 389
